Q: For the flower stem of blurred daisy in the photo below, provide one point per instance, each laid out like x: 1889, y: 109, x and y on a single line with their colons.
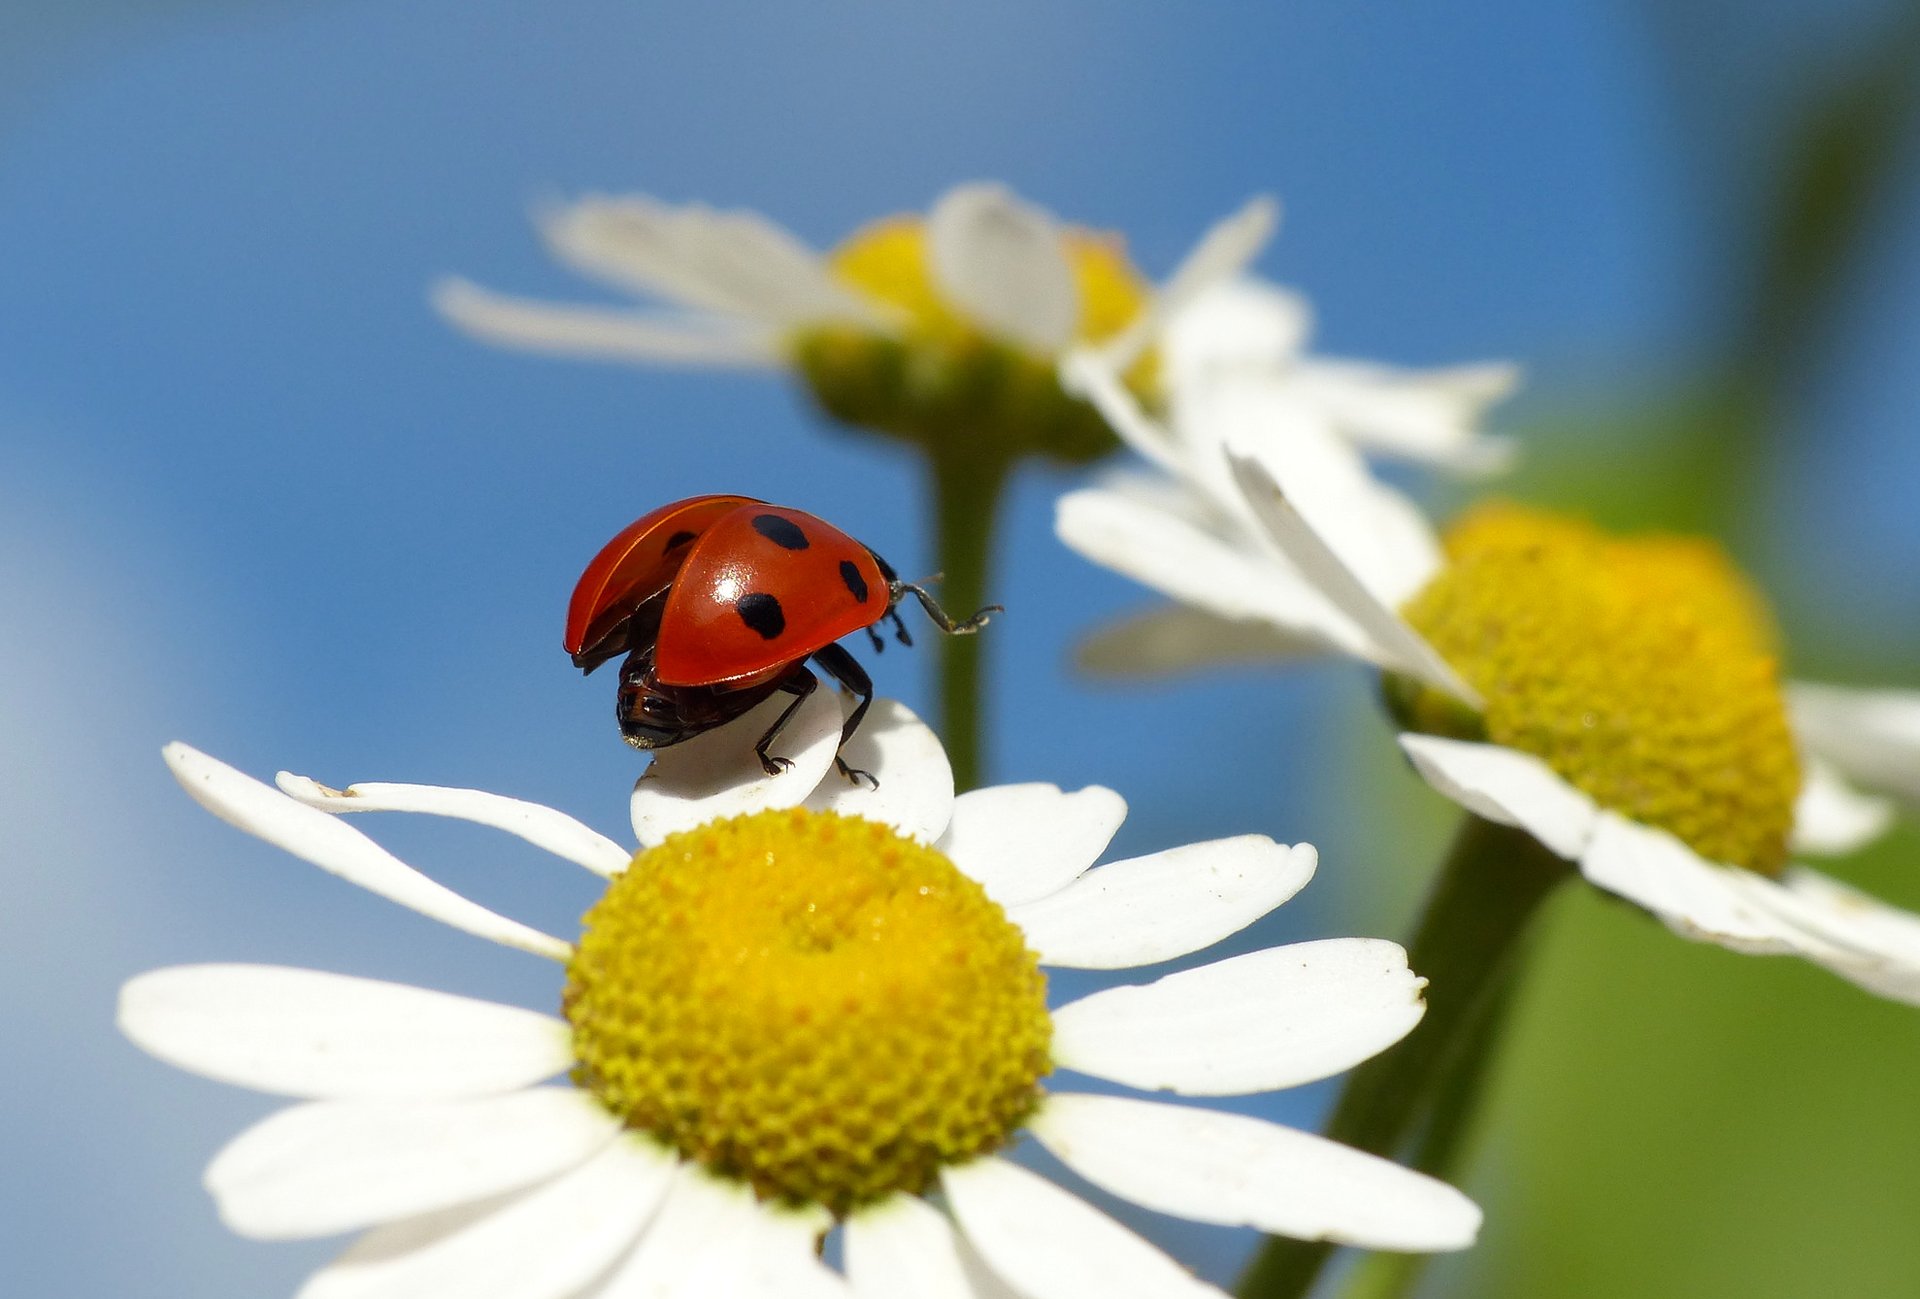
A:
x: 1418, y: 1099
x: 967, y: 486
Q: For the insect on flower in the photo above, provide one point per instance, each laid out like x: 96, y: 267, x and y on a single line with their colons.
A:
x: 718, y: 602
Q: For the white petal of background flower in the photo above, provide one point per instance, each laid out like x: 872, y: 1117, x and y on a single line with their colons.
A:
x: 1394, y: 643
x: 902, y: 1247
x: 1149, y: 909
x: 1236, y: 1170
x: 339, y: 849
x: 915, y: 790
x: 539, y: 825
x: 1087, y: 373
x: 332, y: 1036
x: 1831, y: 817
x: 546, y: 1244
x: 1259, y: 1022
x: 1695, y: 897
x: 1049, y: 1244
x: 1022, y: 842
x: 1424, y: 415
x: 605, y: 332
x: 1871, y: 735
x: 1225, y: 250
x: 1002, y: 262
x: 718, y: 774
x: 1244, y: 324
x: 1176, y: 639
x: 333, y: 1166
x: 1506, y: 786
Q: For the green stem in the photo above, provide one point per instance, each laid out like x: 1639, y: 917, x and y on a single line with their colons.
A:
x: 967, y: 489
x: 1467, y: 945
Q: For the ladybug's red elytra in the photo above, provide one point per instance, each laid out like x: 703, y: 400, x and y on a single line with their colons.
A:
x: 719, y: 601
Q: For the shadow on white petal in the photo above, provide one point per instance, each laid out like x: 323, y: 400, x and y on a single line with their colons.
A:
x: 914, y: 793
x: 1022, y: 842
x: 1508, y: 787
x: 1831, y: 817
x: 718, y: 774
x: 1696, y: 898
x: 1175, y: 640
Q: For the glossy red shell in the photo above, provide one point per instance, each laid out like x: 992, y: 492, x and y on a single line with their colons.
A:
x: 762, y: 588
x: 639, y: 563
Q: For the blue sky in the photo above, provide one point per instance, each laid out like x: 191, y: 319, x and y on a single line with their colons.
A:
x: 253, y: 494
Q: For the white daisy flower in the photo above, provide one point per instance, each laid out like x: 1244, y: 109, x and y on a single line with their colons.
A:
x: 800, y: 1004
x: 942, y: 326
x: 1616, y: 698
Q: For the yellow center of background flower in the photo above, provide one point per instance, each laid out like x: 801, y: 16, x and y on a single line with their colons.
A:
x: 943, y: 382
x: 1643, y: 670
x: 811, y: 1003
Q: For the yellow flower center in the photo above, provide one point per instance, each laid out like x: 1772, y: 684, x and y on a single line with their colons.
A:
x: 943, y: 379
x: 811, y: 1003
x: 1642, y: 670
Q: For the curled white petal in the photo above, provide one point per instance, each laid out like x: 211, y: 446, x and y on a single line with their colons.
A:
x: 718, y: 774
x: 331, y: 1036
x: 333, y: 1166
x: 1003, y: 263
x: 1509, y: 787
x: 604, y: 332
x: 1149, y: 909
x: 1048, y: 1244
x: 546, y: 1244
x: 540, y: 826
x: 1022, y: 842
x: 1831, y: 817
x: 339, y: 849
x: 914, y: 793
x: 1240, y: 1171
x: 1258, y: 1022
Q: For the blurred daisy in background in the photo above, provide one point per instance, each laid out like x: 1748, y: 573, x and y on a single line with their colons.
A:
x: 801, y: 1005
x: 1617, y: 698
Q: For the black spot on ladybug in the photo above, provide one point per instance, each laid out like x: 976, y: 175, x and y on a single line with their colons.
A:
x: 762, y: 612
x: 678, y: 540
x: 781, y: 532
x: 850, y: 574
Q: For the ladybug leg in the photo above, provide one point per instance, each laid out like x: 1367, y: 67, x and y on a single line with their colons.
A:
x: 899, y: 627
x: 845, y: 669
x: 941, y: 618
x: 874, y: 637
x: 799, y: 683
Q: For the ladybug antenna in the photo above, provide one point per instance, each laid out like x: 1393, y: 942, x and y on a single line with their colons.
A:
x: 941, y: 618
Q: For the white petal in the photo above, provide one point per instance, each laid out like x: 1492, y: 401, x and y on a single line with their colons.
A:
x: 1223, y: 252
x: 1695, y: 897
x: 1873, y: 736
x: 1023, y: 842
x: 901, y: 752
x: 1239, y: 1171
x: 330, y: 1036
x: 1220, y: 574
x: 1425, y: 415
x: 1048, y: 1244
x: 1149, y: 909
x: 1508, y: 787
x: 1173, y: 640
x: 1087, y: 373
x: 713, y: 1241
x: 546, y: 1244
x: 1396, y: 644
x: 1243, y: 324
x: 904, y: 1248
x: 718, y: 774
x: 334, y: 1166
x: 1858, y: 937
x: 603, y: 332
x: 540, y: 826
x: 1002, y: 262
x: 338, y: 848
x: 737, y: 263
x: 1259, y: 1022
x: 1831, y: 817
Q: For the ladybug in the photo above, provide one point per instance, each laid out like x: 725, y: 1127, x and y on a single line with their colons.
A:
x: 719, y: 602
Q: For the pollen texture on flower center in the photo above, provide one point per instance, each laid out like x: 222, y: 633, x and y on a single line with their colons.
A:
x: 1642, y: 670
x: 942, y: 379
x: 811, y: 1003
